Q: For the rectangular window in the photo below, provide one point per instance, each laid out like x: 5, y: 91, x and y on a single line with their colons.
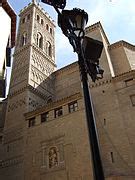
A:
x: 132, y: 97
x: 73, y: 106
x: 32, y: 122
x: 58, y: 112
x: 129, y: 82
x: 44, y: 117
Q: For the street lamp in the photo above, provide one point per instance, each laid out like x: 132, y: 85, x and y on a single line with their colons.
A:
x: 72, y: 24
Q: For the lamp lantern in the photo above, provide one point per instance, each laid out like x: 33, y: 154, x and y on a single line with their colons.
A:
x: 73, y: 22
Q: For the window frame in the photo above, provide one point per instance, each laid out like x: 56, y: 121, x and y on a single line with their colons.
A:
x: 39, y: 40
x: 44, y: 117
x: 58, y: 112
x: 73, y: 106
x: 32, y: 122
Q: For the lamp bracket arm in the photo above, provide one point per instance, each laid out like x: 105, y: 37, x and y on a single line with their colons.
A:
x: 57, y: 10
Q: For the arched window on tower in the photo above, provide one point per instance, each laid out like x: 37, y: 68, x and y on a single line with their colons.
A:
x: 42, y: 21
x: 24, y: 39
x: 39, y: 40
x: 38, y: 18
x: 47, y: 27
x: 49, y: 49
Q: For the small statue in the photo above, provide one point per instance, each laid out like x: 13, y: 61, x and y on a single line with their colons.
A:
x: 53, y: 157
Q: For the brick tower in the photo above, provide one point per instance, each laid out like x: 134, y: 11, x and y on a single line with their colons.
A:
x: 31, y: 83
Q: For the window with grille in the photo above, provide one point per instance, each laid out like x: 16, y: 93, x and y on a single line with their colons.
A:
x: 32, y: 122
x: 44, y: 117
x: 58, y: 112
x: 73, y: 106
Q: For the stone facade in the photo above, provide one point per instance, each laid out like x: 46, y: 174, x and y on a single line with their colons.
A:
x: 45, y: 131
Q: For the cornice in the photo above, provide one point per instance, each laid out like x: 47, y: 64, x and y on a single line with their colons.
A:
x: 100, y: 83
x: 95, y: 27
x: 14, y: 93
x: 21, y: 49
x: 124, y: 76
x: 122, y: 44
x: 53, y: 105
x: 32, y: 89
x: 66, y: 68
x: 118, y: 77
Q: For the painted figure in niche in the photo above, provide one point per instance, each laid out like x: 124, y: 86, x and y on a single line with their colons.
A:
x: 53, y: 157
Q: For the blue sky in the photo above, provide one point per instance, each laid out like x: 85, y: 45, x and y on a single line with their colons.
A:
x: 117, y: 18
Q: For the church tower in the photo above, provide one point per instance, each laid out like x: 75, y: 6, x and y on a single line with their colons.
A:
x: 31, y: 83
x: 34, y: 61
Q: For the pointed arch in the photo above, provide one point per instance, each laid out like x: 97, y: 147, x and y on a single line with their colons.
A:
x: 49, y: 49
x: 39, y: 40
x: 24, y: 39
x: 38, y: 18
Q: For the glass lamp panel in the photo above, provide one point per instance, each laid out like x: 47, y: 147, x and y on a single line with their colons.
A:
x: 78, y: 20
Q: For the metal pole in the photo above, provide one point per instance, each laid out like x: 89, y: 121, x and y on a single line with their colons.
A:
x: 93, y: 138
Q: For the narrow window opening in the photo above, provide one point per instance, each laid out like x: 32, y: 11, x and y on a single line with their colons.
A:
x: 23, y: 21
x: 39, y: 40
x: 49, y: 49
x: 47, y: 27
x: 42, y: 22
x: 104, y: 122
x: 24, y: 39
x: 0, y: 139
x: 51, y: 30
x: 112, y: 157
x: 38, y: 18
x: 28, y: 17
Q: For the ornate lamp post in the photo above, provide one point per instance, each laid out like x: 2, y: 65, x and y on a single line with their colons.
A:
x: 72, y: 24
